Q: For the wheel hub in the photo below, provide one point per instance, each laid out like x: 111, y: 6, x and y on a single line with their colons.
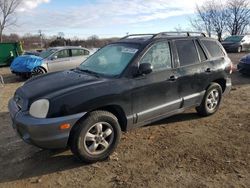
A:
x: 98, y: 138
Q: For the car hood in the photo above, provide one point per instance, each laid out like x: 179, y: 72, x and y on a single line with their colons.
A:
x: 25, y: 63
x: 48, y: 84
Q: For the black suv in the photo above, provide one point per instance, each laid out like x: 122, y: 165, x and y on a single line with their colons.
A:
x: 126, y: 84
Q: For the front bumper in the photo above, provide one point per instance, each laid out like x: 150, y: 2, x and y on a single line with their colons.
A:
x: 43, y: 133
x: 244, y: 68
x: 231, y: 48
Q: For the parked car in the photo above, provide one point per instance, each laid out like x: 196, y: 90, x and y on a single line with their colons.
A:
x: 244, y: 65
x: 51, y: 60
x: 31, y: 53
x: 126, y: 84
x: 237, y: 43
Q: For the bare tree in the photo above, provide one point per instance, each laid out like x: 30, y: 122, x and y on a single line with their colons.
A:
x: 211, y: 17
x: 203, y: 20
x: 238, y: 12
x: 7, y: 14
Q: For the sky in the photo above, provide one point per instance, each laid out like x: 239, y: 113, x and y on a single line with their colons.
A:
x: 104, y: 18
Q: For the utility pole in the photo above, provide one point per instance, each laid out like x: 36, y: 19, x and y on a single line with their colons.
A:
x: 41, y: 38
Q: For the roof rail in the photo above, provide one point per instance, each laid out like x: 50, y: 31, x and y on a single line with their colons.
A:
x: 139, y: 35
x: 165, y: 34
x: 185, y: 33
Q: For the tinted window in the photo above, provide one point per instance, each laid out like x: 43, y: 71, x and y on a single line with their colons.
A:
x: 159, y: 56
x: 187, y: 52
x: 62, y: 54
x: 85, y: 52
x: 201, y: 52
x: 213, y: 48
x: 79, y: 52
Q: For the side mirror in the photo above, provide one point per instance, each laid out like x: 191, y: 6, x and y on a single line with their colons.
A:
x: 54, y: 57
x: 145, y: 68
x: 243, y: 40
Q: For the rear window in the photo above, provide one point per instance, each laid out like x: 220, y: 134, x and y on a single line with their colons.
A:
x: 213, y: 48
x: 187, y: 52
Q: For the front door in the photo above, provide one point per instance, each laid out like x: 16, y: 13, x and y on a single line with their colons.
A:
x: 60, y: 61
x: 191, y: 71
x: 155, y: 94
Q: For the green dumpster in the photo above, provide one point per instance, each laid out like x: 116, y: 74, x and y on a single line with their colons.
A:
x: 9, y: 51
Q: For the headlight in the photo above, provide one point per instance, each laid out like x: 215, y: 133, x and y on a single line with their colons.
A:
x: 39, y: 108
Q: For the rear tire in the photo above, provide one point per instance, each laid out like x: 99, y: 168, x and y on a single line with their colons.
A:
x: 96, y: 137
x: 211, y: 100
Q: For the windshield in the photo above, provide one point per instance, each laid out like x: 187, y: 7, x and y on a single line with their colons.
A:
x: 47, y: 53
x: 110, y: 60
x: 234, y: 38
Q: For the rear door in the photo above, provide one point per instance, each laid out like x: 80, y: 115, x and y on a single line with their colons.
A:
x: 60, y: 61
x: 78, y: 56
x: 192, y: 71
x: 155, y: 94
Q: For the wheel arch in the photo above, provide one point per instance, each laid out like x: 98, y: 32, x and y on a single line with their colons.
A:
x: 221, y: 82
x: 43, y: 67
x: 114, y: 109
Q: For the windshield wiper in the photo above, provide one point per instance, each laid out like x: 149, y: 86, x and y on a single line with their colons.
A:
x: 88, y: 71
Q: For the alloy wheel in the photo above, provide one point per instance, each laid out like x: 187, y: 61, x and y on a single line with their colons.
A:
x: 98, y: 138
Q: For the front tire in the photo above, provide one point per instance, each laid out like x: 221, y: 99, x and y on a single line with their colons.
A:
x: 37, y: 71
x: 239, y: 49
x: 95, y: 137
x: 211, y: 101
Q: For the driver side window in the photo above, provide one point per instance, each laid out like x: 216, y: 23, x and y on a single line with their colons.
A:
x: 159, y: 56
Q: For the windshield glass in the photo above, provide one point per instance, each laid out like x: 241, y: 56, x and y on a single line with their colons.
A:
x: 47, y: 53
x: 110, y: 60
x: 234, y: 38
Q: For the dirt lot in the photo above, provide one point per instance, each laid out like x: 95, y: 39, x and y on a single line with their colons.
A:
x: 182, y: 151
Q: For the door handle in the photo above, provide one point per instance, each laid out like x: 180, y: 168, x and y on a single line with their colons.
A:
x: 172, y: 78
x: 208, y: 70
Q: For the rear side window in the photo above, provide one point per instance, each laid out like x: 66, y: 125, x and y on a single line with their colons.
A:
x: 187, y: 52
x: 213, y: 48
x: 203, y: 56
x: 79, y: 52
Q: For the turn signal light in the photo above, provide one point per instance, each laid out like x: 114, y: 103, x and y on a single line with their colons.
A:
x: 65, y: 126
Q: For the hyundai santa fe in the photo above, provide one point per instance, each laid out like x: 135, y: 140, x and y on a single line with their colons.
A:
x: 126, y: 84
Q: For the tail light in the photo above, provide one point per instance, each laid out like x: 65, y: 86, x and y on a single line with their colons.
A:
x: 229, y: 68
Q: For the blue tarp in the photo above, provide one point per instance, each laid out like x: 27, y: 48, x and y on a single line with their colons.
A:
x: 25, y: 63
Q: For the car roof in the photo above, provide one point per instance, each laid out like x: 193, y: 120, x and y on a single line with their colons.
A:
x: 143, y: 39
x: 67, y: 47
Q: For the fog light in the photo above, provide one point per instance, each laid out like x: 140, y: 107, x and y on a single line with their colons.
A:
x: 65, y: 126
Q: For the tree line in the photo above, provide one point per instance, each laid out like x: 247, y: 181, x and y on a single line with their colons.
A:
x: 219, y: 17
x: 33, y: 42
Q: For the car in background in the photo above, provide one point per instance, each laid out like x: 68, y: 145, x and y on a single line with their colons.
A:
x: 31, y: 53
x: 244, y: 65
x: 236, y: 43
x: 50, y: 60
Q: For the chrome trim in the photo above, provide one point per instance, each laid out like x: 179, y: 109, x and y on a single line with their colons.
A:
x: 193, y: 95
x: 159, y: 107
x: 171, y: 103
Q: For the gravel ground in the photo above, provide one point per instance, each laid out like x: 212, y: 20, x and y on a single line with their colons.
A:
x: 182, y: 151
